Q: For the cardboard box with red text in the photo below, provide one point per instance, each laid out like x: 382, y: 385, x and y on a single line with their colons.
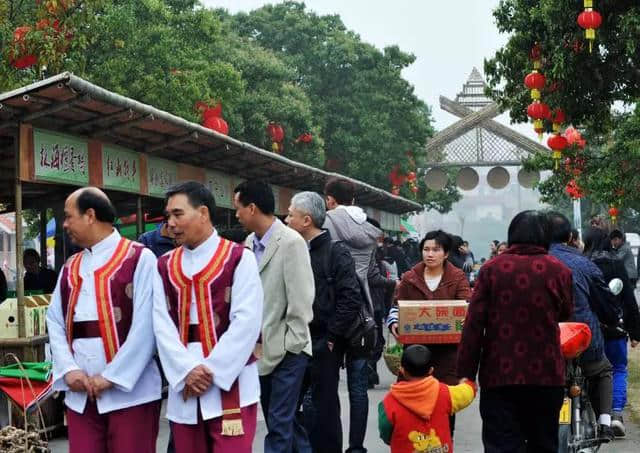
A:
x: 431, y: 321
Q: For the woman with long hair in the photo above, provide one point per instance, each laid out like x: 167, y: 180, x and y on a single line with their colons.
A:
x: 511, y: 335
x: 597, y: 246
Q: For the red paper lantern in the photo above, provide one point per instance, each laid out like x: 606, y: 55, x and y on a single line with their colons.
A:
x: 589, y: 20
x: 276, y: 132
x: 613, y: 212
x: 414, y: 189
x: 305, y: 138
x: 538, y: 112
x: 217, y: 124
x: 396, y: 177
x: 22, y: 60
x: 557, y: 143
x: 535, y: 82
x: 411, y: 176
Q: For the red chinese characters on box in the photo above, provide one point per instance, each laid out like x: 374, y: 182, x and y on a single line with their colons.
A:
x: 431, y: 321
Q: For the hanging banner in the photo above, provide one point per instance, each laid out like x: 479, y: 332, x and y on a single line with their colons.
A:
x: 60, y: 158
x: 120, y: 169
x: 221, y: 186
x: 161, y: 174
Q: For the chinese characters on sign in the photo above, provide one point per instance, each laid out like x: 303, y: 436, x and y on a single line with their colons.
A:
x: 161, y: 175
x: 61, y: 158
x: 120, y: 169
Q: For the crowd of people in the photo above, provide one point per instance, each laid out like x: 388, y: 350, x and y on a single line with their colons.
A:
x: 228, y: 319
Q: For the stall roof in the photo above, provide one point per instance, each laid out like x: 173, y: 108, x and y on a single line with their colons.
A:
x: 69, y: 104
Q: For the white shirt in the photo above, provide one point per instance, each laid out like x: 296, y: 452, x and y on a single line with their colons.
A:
x: 133, y: 371
x: 228, y: 359
x: 432, y: 283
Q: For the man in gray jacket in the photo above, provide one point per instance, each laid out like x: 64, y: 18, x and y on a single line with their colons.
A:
x: 623, y: 251
x: 289, y: 290
x: 348, y: 223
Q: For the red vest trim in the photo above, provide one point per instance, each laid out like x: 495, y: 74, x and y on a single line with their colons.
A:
x: 104, y: 292
x: 74, y: 282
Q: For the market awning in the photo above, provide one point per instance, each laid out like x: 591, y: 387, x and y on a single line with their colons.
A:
x: 68, y: 104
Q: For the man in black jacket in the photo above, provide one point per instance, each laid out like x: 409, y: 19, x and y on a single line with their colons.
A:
x: 337, y: 302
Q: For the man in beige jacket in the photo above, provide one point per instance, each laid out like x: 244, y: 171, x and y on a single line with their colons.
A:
x: 288, y: 285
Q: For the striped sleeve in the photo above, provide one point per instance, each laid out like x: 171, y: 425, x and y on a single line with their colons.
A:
x: 462, y: 395
x: 392, y: 316
x: 384, y: 425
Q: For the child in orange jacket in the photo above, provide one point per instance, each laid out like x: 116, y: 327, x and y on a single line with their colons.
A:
x: 414, y: 415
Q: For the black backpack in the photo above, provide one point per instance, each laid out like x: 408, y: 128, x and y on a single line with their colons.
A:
x: 362, y: 336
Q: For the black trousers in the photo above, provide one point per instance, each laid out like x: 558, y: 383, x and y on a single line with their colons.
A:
x: 520, y: 418
x: 321, y: 403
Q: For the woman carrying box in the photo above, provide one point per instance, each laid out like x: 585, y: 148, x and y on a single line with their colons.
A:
x: 434, y: 278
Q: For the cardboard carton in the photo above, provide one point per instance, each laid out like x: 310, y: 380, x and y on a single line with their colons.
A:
x: 35, y: 315
x: 431, y: 321
x: 9, y: 318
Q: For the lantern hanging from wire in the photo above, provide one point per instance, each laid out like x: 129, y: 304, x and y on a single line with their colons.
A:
x: 304, y: 138
x: 535, y: 81
x: 613, y: 213
x: 412, y: 180
x: 276, y: 133
x: 21, y: 59
x: 397, y: 178
x: 557, y: 143
x: 212, y: 117
x: 590, y: 21
x: 538, y: 112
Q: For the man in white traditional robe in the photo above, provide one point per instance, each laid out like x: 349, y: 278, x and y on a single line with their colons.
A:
x: 101, y: 334
x: 206, y: 328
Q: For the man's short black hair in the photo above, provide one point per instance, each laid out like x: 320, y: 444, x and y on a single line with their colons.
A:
x: 197, y: 195
x: 530, y: 227
x: 33, y: 253
x: 560, y: 227
x: 101, y: 205
x: 342, y: 190
x: 258, y: 193
x: 616, y: 234
x: 442, y: 239
x: 416, y: 360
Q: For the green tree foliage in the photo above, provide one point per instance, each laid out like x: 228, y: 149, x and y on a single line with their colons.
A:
x: 367, y: 111
x: 279, y: 63
x: 584, y: 84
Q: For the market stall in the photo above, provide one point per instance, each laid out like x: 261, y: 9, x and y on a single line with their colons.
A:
x: 64, y: 132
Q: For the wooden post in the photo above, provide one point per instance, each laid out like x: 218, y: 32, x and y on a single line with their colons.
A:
x: 19, y: 240
x: 43, y: 237
x: 140, y: 223
x: 58, y: 214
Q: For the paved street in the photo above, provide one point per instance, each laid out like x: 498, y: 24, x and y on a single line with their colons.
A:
x: 467, y: 437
